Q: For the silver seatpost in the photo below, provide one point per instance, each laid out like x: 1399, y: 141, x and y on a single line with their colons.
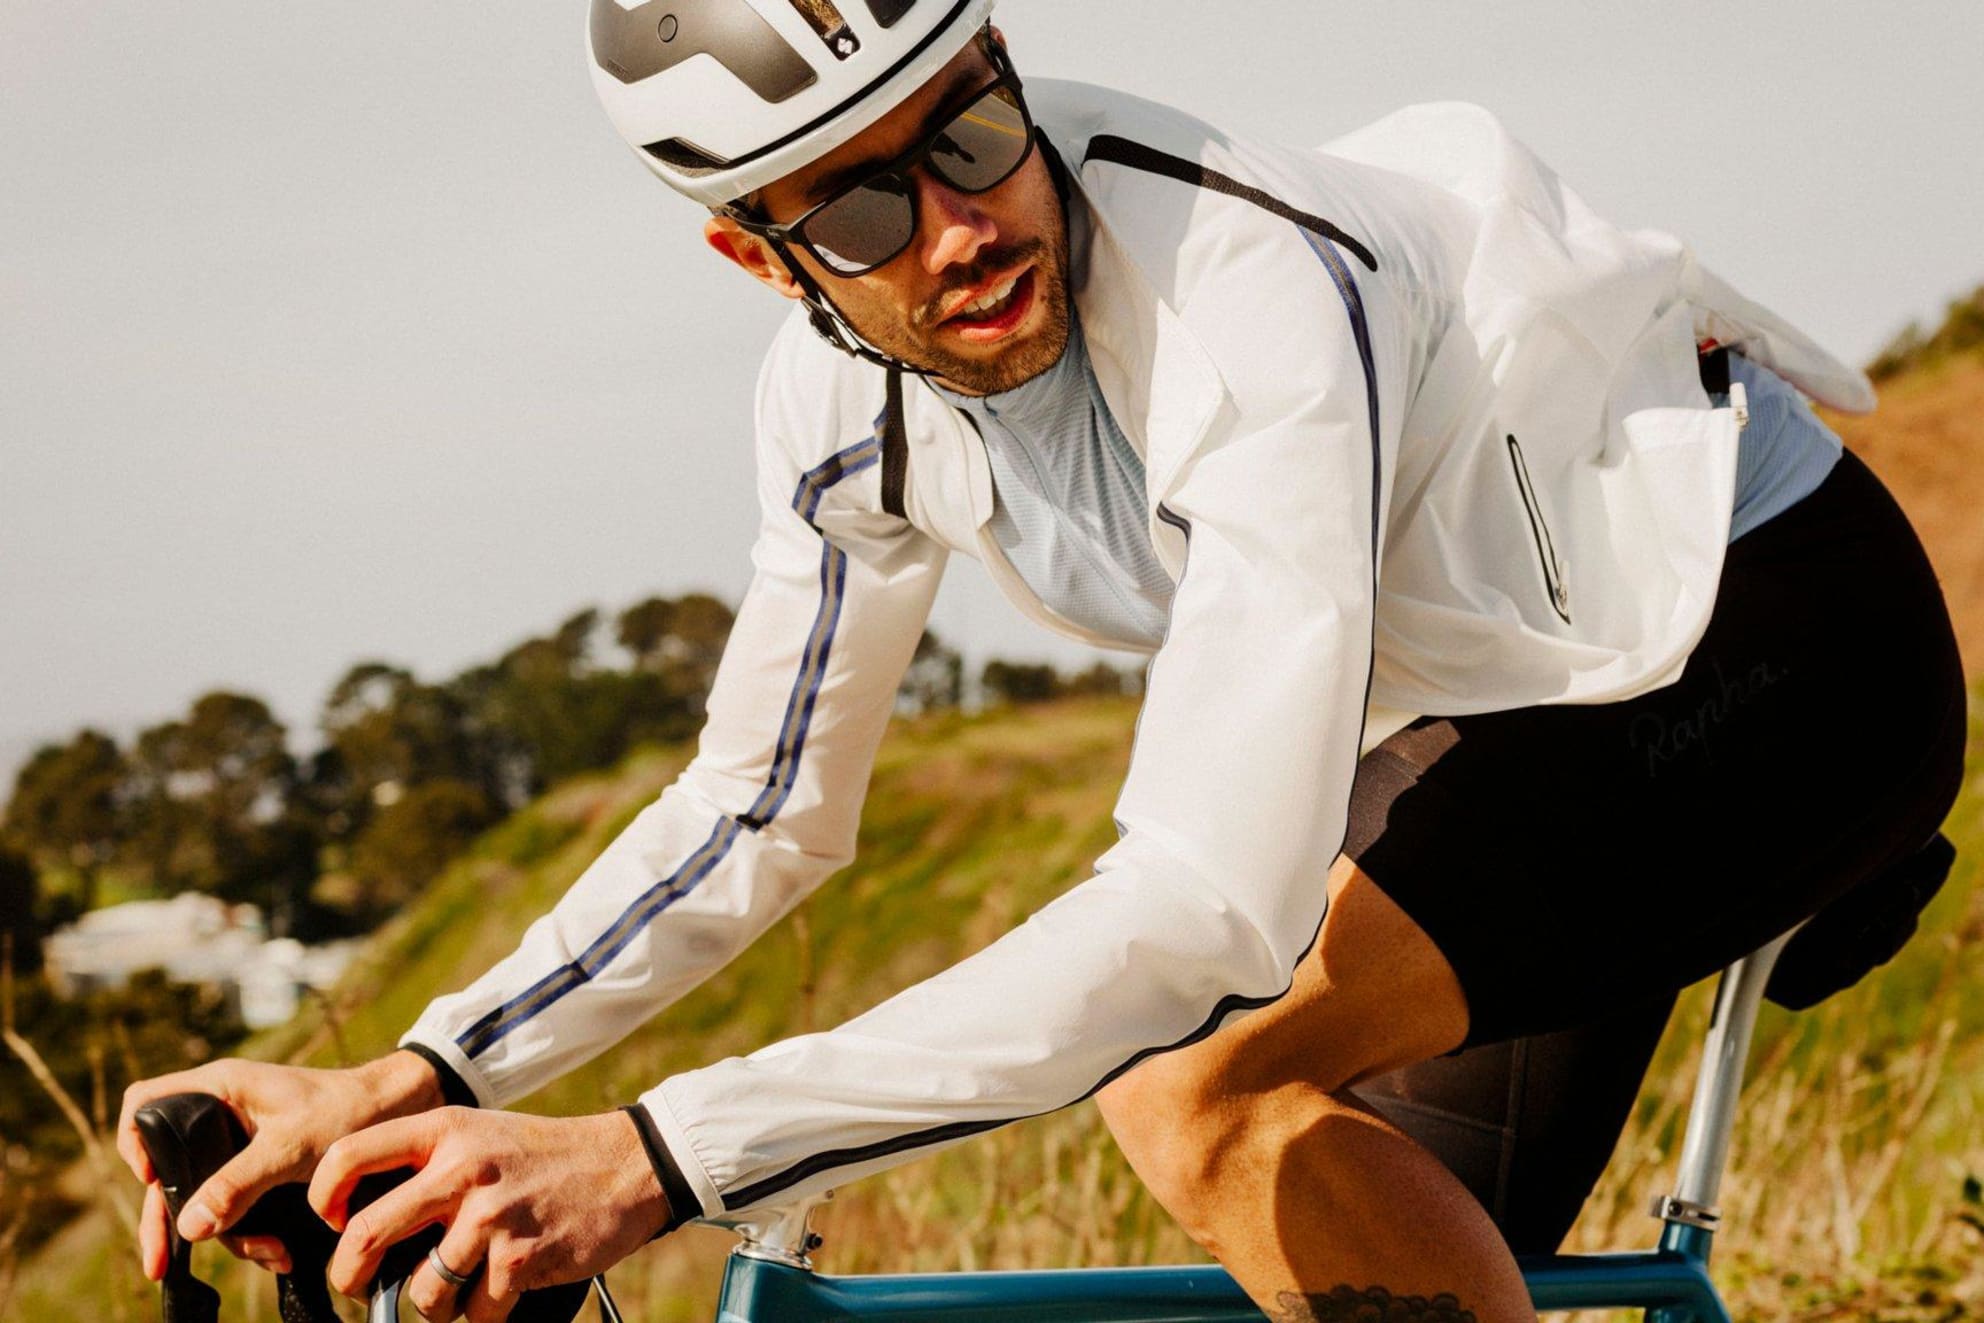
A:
x: 1718, y: 1085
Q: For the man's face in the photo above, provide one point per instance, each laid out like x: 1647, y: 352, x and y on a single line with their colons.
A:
x: 965, y: 246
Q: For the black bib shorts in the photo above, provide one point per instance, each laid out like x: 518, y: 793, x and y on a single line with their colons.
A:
x: 1578, y: 864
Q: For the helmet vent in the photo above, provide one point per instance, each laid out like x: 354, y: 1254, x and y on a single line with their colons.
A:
x: 638, y: 43
x: 684, y: 156
x: 886, y: 12
x: 824, y: 18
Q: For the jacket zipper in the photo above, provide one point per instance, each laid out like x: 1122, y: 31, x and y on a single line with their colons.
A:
x: 1539, y: 531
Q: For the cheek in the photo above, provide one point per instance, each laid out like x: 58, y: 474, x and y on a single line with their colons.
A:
x: 887, y: 301
x: 1033, y: 209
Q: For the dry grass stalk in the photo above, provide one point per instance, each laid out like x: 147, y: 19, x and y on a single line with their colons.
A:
x: 24, y: 1051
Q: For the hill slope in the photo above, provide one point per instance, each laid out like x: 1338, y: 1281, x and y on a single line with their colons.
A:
x: 1857, y: 1170
x: 972, y: 823
x: 1926, y: 441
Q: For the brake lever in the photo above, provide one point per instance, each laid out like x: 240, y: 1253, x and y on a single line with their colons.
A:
x: 190, y: 1136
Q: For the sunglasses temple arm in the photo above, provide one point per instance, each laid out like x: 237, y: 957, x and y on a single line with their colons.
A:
x: 833, y: 327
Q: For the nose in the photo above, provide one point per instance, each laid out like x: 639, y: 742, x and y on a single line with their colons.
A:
x: 954, y: 228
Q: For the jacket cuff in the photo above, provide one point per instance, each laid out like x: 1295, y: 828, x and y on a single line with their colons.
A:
x: 702, y: 1196
x: 459, y: 1076
x: 683, y: 1205
x: 455, y: 1091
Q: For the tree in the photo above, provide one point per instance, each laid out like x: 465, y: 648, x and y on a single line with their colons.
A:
x: 68, y: 807
x: 1103, y: 681
x: 680, y: 641
x: 213, y: 807
x: 643, y: 629
x: 701, y: 628
x: 20, y: 926
x: 573, y: 640
x: 389, y: 730
x: 544, y: 700
x: 1019, y: 682
x: 413, y: 837
x: 934, y: 679
x: 546, y: 710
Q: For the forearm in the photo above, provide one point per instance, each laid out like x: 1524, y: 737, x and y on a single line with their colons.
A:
x: 1132, y: 961
x: 682, y: 889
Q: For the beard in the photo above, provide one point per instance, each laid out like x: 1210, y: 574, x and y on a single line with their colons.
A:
x: 1013, y: 363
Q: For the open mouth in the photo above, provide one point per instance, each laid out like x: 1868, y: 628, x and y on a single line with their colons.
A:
x: 995, y: 312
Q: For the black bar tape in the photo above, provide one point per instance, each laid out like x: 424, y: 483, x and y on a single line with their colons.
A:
x: 683, y: 1205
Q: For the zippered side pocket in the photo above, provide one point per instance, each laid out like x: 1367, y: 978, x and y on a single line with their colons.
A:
x: 1539, y: 531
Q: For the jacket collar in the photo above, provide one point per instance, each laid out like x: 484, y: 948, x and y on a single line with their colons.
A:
x: 1159, y: 381
x: 1157, y: 378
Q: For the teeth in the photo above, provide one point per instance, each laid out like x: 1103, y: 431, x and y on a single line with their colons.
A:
x: 992, y: 297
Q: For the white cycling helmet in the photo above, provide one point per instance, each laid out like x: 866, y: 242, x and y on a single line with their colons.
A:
x: 720, y: 97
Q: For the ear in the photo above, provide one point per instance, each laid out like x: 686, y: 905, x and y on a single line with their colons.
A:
x: 751, y: 253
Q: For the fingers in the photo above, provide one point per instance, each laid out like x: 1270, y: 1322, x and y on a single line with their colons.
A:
x: 463, y: 1250
x: 154, y: 1243
x: 233, y: 1190
x: 406, y: 1142
x: 387, y: 1220
x: 263, y: 1251
x: 490, y: 1300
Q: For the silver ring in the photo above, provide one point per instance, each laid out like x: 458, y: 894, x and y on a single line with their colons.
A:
x: 444, y: 1272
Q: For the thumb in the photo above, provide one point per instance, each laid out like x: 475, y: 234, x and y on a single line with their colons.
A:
x: 232, y: 1191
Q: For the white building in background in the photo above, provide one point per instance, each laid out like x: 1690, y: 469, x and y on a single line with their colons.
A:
x: 194, y: 939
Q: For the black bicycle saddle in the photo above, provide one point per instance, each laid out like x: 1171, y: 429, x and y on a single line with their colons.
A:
x: 190, y: 1136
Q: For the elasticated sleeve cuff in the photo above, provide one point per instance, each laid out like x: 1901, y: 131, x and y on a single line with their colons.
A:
x: 682, y: 1202
x: 454, y: 1089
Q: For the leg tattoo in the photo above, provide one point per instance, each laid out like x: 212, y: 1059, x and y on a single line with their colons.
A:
x: 1373, y: 1304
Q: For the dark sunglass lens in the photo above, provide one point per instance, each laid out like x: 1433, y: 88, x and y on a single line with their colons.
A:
x: 984, y: 144
x: 864, y: 226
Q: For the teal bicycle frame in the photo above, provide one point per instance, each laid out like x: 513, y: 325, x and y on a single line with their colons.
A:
x: 769, y: 1278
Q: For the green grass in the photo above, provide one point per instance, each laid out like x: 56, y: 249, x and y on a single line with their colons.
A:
x: 1846, y: 1196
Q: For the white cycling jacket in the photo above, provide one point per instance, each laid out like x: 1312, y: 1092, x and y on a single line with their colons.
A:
x: 1422, y: 434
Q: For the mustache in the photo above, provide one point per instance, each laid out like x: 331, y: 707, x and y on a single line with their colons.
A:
x: 988, y: 261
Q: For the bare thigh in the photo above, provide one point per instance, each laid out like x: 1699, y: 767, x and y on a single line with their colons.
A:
x: 1372, y: 995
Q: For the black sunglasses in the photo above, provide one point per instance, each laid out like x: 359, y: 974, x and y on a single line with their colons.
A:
x: 867, y: 222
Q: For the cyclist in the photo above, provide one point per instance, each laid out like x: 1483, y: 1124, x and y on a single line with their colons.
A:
x: 1511, y: 670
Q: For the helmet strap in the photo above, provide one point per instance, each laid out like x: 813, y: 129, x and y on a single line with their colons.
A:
x: 831, y: 325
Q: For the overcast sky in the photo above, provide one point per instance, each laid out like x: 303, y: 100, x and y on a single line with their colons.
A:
x: 333, y: 333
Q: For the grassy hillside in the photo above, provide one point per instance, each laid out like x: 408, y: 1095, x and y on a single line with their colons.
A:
x: 1856, y: 1187
x: 1926, y: 441
x: 1849, y: 1178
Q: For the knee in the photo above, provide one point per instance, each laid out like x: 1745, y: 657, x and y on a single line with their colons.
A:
x: 1171, y: 1131
x: 1201, y: 1149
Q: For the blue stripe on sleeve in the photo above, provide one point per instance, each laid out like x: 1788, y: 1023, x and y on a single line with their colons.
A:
x: 784, y: 774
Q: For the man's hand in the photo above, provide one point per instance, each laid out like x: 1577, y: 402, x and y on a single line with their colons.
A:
x: 291, y: 1113
x: 528, y: 1202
